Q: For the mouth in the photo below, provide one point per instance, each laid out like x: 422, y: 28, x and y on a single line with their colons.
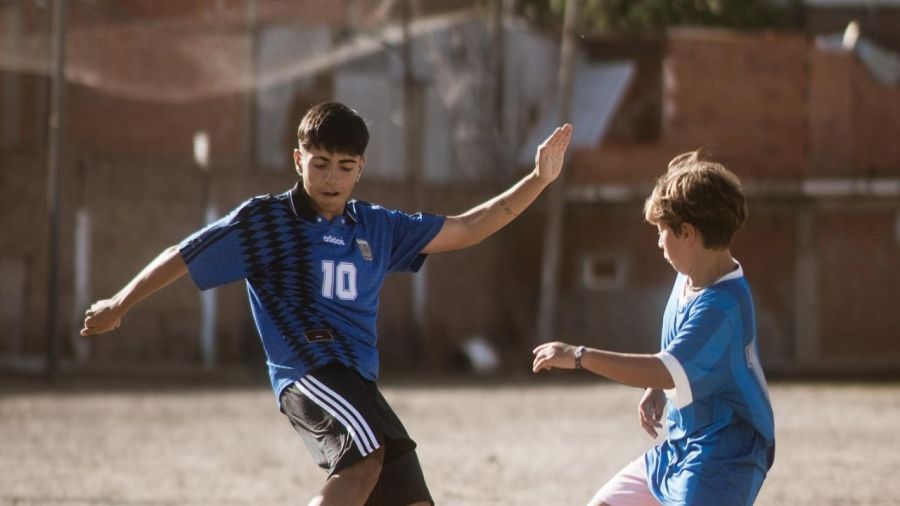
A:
x: 331, y: 194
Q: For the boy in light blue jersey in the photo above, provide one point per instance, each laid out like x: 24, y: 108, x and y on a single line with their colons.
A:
x: 707, y: 376
x: 314, y: 262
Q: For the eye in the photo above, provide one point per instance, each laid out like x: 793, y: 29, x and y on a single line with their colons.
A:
x: 346, y: 169
x: 320, y: 165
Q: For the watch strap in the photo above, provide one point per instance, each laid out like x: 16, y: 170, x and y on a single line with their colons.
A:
x: 579, y: 351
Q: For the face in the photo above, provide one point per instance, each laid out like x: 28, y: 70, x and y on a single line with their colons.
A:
x: 328, y: 178
x: 675, y: 249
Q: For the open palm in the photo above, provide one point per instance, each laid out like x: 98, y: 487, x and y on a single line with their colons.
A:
x: 550, y: 154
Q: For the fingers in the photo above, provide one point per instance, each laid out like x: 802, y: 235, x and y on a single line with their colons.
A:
x: 649, y: 418
x: 649, y: 430
x: 541, y: 348
x: 543, y: 354
x: 90, y: 330
x: 649, y: 423
x: 99, y: 319
x: 560, y: 138
x: 541, y: 361
x: 550, y: 355
x: 565, y: 135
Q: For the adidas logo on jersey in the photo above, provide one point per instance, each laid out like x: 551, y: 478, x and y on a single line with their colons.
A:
x: 334, y: 240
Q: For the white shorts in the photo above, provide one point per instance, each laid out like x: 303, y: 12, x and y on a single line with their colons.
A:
x: 627, y: 488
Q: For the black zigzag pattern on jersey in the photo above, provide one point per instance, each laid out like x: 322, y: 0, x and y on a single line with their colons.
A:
x: 195, y: 247
x: 281, y: 266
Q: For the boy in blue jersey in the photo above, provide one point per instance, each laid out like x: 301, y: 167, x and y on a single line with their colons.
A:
x: 707, y: 377
x: 314, y: 261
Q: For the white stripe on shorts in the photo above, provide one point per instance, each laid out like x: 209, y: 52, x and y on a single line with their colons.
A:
x: 338, y: 413
x: 362, y: 421
x: 353, y: 424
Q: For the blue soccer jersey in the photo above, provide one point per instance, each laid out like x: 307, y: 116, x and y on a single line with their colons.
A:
x: 313, y: 285
x: 721, y: 431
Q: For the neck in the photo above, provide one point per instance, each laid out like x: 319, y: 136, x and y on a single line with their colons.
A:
x: 710, y: 268
x: 329, y: 215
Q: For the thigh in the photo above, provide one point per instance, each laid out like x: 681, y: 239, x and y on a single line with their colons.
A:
x: 343, y: 418
x: 401, y: 483
x: 627, y: 488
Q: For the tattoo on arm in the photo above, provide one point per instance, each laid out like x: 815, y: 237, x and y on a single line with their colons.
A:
x: 506, y: 208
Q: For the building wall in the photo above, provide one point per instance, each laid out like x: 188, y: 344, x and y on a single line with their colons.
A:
x: 772, y: 106
x: 853, y: 118
x: 859, y: 287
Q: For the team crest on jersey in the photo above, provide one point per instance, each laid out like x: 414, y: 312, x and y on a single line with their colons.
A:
x: 364, y: 249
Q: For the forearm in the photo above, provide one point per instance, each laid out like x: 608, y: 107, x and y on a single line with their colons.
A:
x: 159, y: 273
x: 487, y: 218
x: 637, y: 370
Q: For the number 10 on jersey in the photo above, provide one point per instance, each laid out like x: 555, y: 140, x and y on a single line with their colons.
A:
x: 338, y: 280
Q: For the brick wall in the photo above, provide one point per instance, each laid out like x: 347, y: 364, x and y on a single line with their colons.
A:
x: 771, y: 106
x: 742, y: 97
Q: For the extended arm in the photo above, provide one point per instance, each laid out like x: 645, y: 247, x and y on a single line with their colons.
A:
x: 637, y: 370
x: 106, y: 315
x: 482, y: 221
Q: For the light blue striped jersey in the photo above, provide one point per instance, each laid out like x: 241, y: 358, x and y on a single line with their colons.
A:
x: 721, y: 433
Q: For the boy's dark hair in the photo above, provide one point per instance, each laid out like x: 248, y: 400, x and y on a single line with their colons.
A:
x: 702, y: 193
x: 334, y: 127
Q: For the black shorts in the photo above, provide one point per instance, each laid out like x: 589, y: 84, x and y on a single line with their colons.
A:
x: 342, y: 418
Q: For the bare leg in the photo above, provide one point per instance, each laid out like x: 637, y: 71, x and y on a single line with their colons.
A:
x: 351, y: 486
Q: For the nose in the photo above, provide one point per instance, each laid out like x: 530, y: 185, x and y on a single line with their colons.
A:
x: 330, y: 175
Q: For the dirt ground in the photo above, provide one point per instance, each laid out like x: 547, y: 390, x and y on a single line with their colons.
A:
x: 535, y: 441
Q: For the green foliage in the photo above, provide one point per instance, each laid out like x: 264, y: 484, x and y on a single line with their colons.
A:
x: 654, y: 16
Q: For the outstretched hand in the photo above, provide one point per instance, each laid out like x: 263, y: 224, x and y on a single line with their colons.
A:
x: 550, y: 355
x: 548, y: 160
x: 103, y: 316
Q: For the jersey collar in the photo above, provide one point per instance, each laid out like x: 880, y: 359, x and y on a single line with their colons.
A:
x: 302, y: 206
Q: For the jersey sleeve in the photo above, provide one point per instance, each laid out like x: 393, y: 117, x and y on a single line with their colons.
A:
x: 214, y: 255
x: 698, y: 358
x: 410, y: 234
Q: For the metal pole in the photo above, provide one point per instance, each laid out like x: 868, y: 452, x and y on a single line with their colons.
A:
x: 55, y: 141
x: 547, y: 304
x: 251, y: 18
x: 411, y: 112
x: 497, y: 123
x: 412, y: 125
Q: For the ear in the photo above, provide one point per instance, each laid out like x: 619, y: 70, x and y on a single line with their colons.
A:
x: 691, y: 234
x: 298, y: 157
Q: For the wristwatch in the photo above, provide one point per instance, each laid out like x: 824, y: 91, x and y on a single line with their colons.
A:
x: 579, y: 351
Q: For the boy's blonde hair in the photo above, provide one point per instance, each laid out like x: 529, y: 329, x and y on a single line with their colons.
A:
x: 702, y: 193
